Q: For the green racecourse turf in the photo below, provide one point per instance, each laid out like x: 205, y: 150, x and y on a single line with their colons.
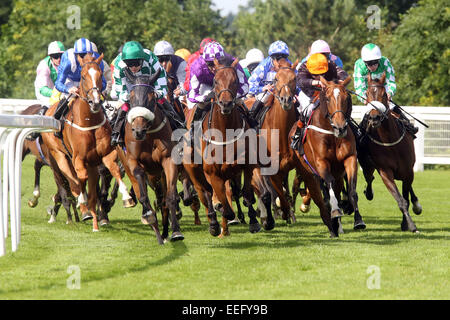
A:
x: 298, y: 261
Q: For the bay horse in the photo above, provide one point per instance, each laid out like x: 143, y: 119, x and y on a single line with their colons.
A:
x: 389, y: 149
x: 86, y: 142
x: 147, y: 154
x: 280, y: 119
x: 219, y: 160
x: 330, y: 148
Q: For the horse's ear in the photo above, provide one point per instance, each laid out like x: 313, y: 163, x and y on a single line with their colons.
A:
x: 80, y: 59
x: 216, y: 63
x: 346, y: 81
x: 383, y: 78
x: 169, y: 66
x: 154, y: 77
x: 369, y: 78
x: 130, y: 76
x: 294, y: 66
x: 325, y: 82
x: 235, y: 62
x: 99, y: 59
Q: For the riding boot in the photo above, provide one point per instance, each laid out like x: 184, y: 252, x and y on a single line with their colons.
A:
x: 198, y: 115
x: 174, y: 119
x: 32, y: 136
x: 297, y: 138
x: 408, y: 125
x: 116, y: 137
x: 253, y: 113
x: 60, y: 112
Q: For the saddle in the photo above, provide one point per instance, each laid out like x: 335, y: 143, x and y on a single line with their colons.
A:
x: 32, y: 136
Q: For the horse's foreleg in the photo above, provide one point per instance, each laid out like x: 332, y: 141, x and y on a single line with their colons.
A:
x: 388, y: 179
x: 351, y: 169
x: 262, y: 187
x: 38, y: 164
x: 417, y: 207
x: 277, y: 182
x: 171, y: 174
x: 236, y: 192
x: 93, y: 178
x: 219, y: 188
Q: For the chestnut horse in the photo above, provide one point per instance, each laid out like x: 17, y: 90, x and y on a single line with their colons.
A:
x: 147, y: 155
x: 389, y: 149
x: 330, y: 148
x: 219, y: 156
x: 86, y: 141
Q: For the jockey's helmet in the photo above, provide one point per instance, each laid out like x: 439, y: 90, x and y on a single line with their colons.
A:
x: 183, y: 53
x: 163, y: 48
x: 213, y: 51
x: 55, y: 47
x: 317, y: 63
x: 370, y: 52
x: 204, y: 43
x: 278, y: 47
x: 133, y: 50
x: 253, y: 56
x: 320, y: 46
x: 82, y: 45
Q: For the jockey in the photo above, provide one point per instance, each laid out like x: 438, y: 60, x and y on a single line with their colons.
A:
x: 308, y: 80
x: 183, y: 53
x: 373, y: 62
x: 47, y: 72
x: 113, y: 93
x: 321, y: 46
x: 191, y: 60
x: 202, y: 77
x: 138, y: 61
x: 69, y: 75
x: 165, y: 53
x: 261, y: 79
x: 252, y: 60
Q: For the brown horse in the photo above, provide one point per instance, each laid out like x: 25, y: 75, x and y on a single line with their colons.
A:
x: 147, y: 155
x: 330, y: 148
x: 86, y: 141
x: 222, y: 155
x: 389, y: 149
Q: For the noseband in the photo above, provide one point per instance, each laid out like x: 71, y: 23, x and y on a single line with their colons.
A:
x: 283, y: 86
x: 86, y: 92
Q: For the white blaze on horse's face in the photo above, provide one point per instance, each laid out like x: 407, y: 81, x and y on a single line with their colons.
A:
x: 93, y: 73
x: 336, y: 92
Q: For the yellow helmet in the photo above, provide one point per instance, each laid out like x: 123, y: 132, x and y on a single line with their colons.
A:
x: 184, y: 53
x: 317, y: 63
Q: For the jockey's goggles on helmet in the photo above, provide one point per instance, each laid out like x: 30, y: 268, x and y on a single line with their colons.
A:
x: 372, y: 62
x: 164, y: 58
x: 278, y: 56
x: 252, y: 66
x: 82, y: 55
x: 56, y: 56
x: 210, y: 64
x: 133, y: 63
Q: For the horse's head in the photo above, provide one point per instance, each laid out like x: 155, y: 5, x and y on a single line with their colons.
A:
x: 142, y: 103
x: 285, y: 83
x: 226, y: 84
x: 335, y: 103
x: 91, y: 81
x: 377, y: 98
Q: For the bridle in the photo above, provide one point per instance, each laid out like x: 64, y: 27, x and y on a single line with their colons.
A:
x: 217, y: 94
x: 275, y: 80
x: 85, y: 92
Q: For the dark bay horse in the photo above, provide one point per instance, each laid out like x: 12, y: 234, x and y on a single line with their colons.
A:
x: 86, y: 141
x: 147, y: 155
x: 330, y: 148
x: 389, y: 149
x: 224, y: 154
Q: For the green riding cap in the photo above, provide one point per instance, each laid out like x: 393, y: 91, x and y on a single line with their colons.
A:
x: 133, y: 50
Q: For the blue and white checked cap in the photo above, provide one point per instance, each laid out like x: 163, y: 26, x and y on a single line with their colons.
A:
x: 278, y: 47
x: 213, y: 50
x: 82, y: 45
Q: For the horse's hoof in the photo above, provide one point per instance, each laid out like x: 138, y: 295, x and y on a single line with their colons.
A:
x: 149, y: 218
x: 359, y: 225
x: 269, y: 225
x: 278, y: 202
x: 336, y: 214
x: 233, y: 222
x: 86, y: 216
x: 305, y: 208
x: 197, y: 222
x: 95, y: 230
x: 187, y: 202
x: 32, y: 203
x: 104, y: 222
x: 129, y: 203
x: 254, y: 227
x: 69, y: 222
x: 214, y: 229
x: 179, y: 215
x: 229, y: 216
x: 176, y: 236
x: 218, y: 206
x: 417, y: 208
x: 52, y: 219
x: 368, y: 194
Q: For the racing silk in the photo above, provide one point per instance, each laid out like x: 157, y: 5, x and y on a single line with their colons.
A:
x: 190, y: 61
x: 178, y: 71
x: 202, y: 80
x: 305, y: 78
x: 69, y: 72
x: 149, y: 67
x: 262, y: 74
x: 46, y: 74
x: 361, y: 73
x: 331, y: 57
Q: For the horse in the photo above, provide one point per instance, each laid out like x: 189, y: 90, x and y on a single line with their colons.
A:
x: 147, y: 155
x: 219, y: 160
x: 330, y: 148
x: 280, y: 119
x: 86, y: 142
x: 389, y: 149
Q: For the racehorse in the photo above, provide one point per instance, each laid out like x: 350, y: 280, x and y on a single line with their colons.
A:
x: 389, y: 149
x: 147, y: 154
x: 330, y: 148
x: 219, y: 158
x: 86, y: 141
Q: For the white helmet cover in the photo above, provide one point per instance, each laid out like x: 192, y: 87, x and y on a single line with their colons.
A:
x: 370, y: 52
x: 163, y: 48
